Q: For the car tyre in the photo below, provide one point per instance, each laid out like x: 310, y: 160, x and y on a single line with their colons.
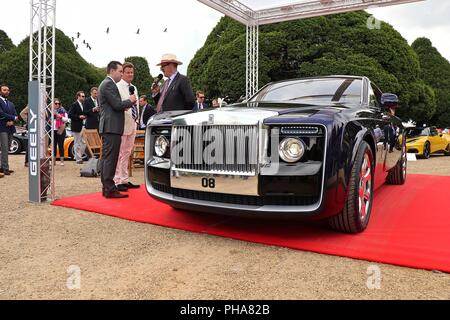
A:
x: 355, y: 216
x: 447, y: 150
x: 16, y: 146
x: 426, y: 151
x: 397, y: 175
x: 70, y: 151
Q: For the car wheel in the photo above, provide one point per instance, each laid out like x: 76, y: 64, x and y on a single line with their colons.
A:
x: 355, y: 216
x: 426, y: 150
x: 71, y: 152
x: 16, y: 146
x: 447, y: 150
x: 397, y: 175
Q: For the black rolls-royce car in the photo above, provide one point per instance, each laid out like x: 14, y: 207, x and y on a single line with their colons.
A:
x: 313, y: 148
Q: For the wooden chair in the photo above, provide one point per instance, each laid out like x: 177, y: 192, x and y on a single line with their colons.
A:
x: 93, y: 142
x: 137, y: 153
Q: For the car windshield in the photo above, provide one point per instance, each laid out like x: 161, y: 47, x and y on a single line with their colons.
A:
x: 417, y: 132
x: 323, y: 91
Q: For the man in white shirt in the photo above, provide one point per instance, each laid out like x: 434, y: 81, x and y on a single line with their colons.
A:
x: 126, y: 89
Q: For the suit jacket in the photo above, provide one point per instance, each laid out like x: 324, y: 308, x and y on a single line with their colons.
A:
x: 112, y: 108
x: 93, y: 118
x: 75, y: 111
x: 179, y: 95
x: 205, y: 106
x: 148, y: 112
x: 7, y: 113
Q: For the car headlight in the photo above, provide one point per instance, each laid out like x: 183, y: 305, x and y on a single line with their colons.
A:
x: 291, y: 149
x: 161, y: 145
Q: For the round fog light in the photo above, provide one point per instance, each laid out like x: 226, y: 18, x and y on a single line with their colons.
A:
x: 161, y: 145
x: 291, y: 150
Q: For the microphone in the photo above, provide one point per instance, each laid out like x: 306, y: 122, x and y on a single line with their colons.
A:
x: 131, y: 90
x: 157, y: 80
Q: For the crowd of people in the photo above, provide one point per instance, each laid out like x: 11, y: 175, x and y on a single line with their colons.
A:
x: 116, y: 110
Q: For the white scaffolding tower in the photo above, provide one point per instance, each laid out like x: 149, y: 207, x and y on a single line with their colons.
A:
x: 246, y: 12
x: 252, y: 62
x: 42, y: 70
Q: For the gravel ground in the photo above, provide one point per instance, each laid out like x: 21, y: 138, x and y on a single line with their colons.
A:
x: 126, y: 260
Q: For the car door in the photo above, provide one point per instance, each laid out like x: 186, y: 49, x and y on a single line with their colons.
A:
x: 436, y: 140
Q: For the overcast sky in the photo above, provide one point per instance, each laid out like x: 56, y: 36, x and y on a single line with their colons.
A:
x: 188, y: 23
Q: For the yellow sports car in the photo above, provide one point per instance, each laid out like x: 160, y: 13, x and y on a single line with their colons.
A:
x: 425, y: 141
x: 69, y: 152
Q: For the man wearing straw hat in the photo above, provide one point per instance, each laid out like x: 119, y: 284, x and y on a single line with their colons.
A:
x: 176, y: 92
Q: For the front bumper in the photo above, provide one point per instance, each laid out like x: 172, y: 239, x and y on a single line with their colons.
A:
x: 301, y: 207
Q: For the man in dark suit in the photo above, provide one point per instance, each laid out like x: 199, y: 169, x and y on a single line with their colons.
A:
x: 8, y: 116
x: 200, y: 103
x: 92, y: 110
x: 147, y: 112
x: 112, y: 120
x: 176, y: 92
x: 77, y: 116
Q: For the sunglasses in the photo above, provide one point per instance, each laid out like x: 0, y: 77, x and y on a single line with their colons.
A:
x: 57, y: 102
x: 201, y: 97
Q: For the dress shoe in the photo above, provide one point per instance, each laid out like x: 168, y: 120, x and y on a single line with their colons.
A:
x: 115, y: 195
x: 7, y: 172
x: 122, y: 187
x: 1, y: 175
x: 129, y: 185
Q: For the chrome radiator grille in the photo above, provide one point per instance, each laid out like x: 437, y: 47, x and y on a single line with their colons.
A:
x: 235, y: 148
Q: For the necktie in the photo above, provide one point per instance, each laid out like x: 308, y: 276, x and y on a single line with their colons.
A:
x: 163, y: 96
x: 134, y: 112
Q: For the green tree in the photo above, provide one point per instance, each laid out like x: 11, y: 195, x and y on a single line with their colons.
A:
x: 436, y: 73
x: 72, y: 72
x: 142, y: 78
x: 6, y: 43
x: 336, y: 44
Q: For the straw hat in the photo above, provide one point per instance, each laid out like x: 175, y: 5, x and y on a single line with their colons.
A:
x: 169, y: 58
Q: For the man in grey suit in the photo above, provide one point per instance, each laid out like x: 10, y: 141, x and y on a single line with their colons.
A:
x: 111, y: 126
x: 176, y: 92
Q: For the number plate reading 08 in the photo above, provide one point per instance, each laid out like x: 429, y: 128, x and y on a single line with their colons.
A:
x: 229, y: 184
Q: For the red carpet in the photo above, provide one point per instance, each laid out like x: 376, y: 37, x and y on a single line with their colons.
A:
x: 410, y: 225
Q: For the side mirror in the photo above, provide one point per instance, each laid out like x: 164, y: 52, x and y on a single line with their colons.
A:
x: 389, y: 100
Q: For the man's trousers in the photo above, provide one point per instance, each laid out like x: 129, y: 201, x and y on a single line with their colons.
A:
x: 126, y: 147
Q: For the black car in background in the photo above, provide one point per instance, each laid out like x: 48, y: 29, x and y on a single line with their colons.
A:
x: 19, y: 141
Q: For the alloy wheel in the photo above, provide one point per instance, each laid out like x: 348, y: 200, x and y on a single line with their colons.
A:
x: 14, y: 148
x: 365, y: 187
x: 426, y: 151
x: 404, y: 162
